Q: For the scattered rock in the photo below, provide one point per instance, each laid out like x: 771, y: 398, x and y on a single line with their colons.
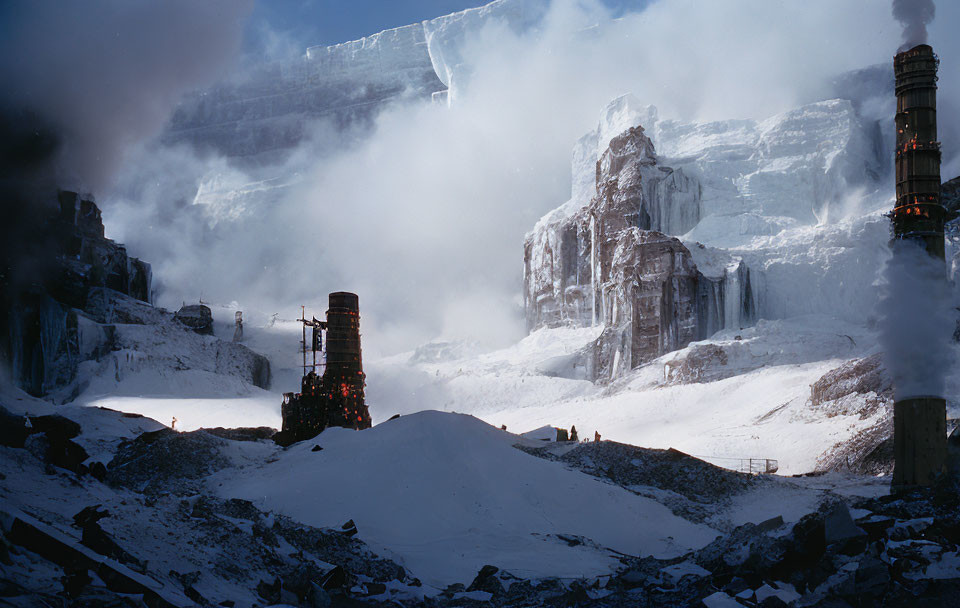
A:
x: 13, y: 429
x: 165, y: 461
x: 334, y: 578
x: 242, y: 433
x: 839, y: 526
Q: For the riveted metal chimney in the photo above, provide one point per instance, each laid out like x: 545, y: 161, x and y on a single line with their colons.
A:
x: 919, y: 422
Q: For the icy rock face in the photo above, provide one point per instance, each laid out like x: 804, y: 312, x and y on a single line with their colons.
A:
x: 768, y: 212
x: 445, y: 35
x: 611, y: 262
x: 758, y: 178
x: 94, y: 313
x: 45, y: 330
x: 863, y: 387
x: 268, y: 113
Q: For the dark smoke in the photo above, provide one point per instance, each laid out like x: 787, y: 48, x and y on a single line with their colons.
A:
x: 105, y: 74
x: 82, y: 81
x: 914, y: 15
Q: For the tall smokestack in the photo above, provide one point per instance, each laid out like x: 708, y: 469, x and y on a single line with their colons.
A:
x: 335, y: 398
x: 343, y: 377
x: 919, y: 420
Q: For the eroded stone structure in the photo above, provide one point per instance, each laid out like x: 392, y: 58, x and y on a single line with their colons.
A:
x: 613, y: 263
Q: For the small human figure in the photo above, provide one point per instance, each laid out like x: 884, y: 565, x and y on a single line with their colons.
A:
x: 173, y: 423
x: 503, y: 427
x: 238, y: 332
x: 573, y: 433
x: 596, y: 435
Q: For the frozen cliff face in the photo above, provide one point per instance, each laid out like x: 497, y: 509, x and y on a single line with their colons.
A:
x: 611, y: 262
x: 270, y: 110
x: 759, y: 178
x: 44, y: 339
x: 775, y: 219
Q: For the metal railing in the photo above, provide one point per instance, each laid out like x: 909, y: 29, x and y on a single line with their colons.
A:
x: 754, y: 466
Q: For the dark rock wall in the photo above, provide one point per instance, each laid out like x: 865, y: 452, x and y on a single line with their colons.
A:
x: 43, y: 344
x: 70, y: 313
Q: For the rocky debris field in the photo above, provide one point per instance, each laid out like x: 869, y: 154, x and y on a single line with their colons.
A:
x: 149, y: 530
x: 150, y: 534
x: 899, y: 550
x: 690, y: 487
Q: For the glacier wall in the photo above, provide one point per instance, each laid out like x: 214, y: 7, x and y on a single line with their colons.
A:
x: 263, y: 115
x: 268, y: 112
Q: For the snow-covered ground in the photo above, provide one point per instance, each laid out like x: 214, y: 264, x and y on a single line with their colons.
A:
x: 445, y: 494
x: 441, y: 494
x: 758, y: 408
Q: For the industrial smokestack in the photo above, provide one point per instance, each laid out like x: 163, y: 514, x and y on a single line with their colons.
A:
x: 336, y: 397
x: 343, y: 377
x: 918, y: 265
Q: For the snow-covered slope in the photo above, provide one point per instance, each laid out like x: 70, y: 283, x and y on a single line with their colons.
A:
x: 428, y: 486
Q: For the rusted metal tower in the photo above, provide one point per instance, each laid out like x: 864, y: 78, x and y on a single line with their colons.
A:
x: 335, y: 397
x: 919, y: 422
x: 343, y: 378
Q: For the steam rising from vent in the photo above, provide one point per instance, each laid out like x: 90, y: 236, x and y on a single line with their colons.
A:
x: 914, y: 15
x: 916, y: 325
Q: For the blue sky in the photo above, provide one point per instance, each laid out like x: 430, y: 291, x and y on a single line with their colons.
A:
x: 324, y: 22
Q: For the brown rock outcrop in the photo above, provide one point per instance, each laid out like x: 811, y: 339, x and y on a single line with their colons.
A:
x: 612, y: 262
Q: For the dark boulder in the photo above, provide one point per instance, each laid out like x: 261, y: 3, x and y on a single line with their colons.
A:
x: 13, y: 429
x: 55, y: 425
x: 196, y: 317
x: 486, y: 580
x: 334, y: 578
x: 348, y: 529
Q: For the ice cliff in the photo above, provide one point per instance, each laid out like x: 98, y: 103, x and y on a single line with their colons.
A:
x: 265, y: 113
x: 87, y: 314
x: 676, y: 230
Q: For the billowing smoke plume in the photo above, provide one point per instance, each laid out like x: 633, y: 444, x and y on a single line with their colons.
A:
x: 82, y: 81
x: 917, y: 324
x: 105, y: 74
x: 424, y: 216
x: 914, y: 15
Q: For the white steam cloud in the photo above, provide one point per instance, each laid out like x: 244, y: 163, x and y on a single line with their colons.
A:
x: 917, y: 324
x: 425, y: 216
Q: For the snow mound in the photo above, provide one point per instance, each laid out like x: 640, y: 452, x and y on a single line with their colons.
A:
x: 429, y: 486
